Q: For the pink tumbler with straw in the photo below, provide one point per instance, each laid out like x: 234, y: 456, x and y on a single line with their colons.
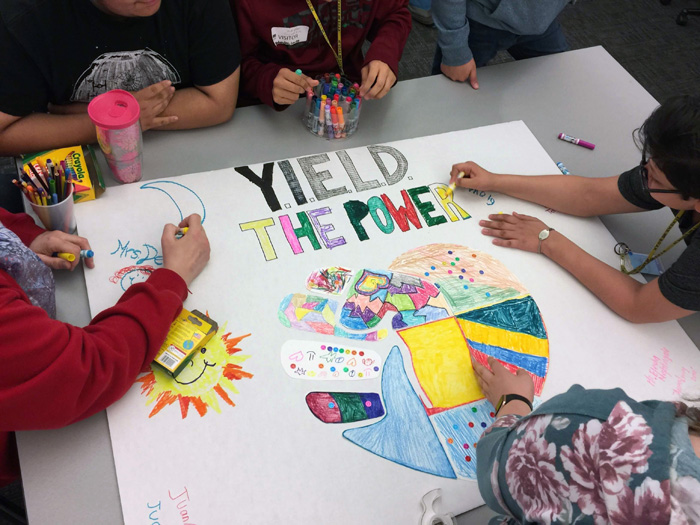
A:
x: 116, y: 117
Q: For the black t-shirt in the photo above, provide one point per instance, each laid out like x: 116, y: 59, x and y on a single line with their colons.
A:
x: 680, y: 284
x: 63, y: 51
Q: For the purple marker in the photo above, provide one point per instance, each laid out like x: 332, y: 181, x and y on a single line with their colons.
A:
x: 573, y: 140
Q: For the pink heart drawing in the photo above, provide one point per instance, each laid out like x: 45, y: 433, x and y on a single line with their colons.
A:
x: 297, y: 356
x: 352, y: 362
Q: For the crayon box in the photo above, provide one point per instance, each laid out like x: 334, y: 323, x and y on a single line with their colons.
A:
x: 188, y: 333
x: 81, y: 159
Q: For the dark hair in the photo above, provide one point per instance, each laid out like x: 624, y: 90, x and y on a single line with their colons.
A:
x: 671, y: 136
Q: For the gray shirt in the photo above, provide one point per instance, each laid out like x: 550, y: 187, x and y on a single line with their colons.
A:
x: 521, y: 17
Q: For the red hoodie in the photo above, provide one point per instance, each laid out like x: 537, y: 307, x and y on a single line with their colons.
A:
x: 53, y: 374
x: 386, y: 23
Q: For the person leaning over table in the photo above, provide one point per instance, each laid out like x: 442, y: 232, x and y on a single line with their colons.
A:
x: 471, y: 32
x: 668, y: 176
x: 53, y: 374
x: 179, y: 58
x: 280, y: 36
x: 586, y: 456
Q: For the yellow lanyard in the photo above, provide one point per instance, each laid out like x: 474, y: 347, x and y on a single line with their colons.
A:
x: 339, y: 53
x: 622, y: 249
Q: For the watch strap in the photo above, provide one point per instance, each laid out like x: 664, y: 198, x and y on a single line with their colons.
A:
x: 507, y: 398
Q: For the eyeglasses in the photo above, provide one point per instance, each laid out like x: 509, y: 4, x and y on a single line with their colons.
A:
x: 644, y: 173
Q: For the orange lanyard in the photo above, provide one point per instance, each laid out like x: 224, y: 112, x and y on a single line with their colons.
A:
x: 339, y: 53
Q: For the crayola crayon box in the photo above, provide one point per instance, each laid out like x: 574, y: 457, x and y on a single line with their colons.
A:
x: 187, y: 335
x: 81, y: 159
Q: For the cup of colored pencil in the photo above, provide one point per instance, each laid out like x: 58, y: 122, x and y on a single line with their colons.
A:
x: 48, y: 187
x: 332, y: 108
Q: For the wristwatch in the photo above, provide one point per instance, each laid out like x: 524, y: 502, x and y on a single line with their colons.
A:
x: 542, y: 236
x: 507, y: 398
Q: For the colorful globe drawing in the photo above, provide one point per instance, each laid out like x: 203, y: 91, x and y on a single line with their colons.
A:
x: 449, y: 304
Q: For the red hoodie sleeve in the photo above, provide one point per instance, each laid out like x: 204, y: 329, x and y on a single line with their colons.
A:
x: 54, y: 374
x: 389, y: 32
x: 22, y: 225
x: 256, y: 76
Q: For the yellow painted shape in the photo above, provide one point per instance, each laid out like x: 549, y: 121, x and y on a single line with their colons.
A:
x: 442, y: 363
x: 523, y: 343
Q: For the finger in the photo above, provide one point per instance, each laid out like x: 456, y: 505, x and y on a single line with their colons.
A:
x: 291, y: 88
x: 497, y: 224
x: 159, y: 122
x: 309, y: 83
x: 169, y: 232
x: 503, y: 217
x: 473, y: 80
x: 497, y: 232
x: 369, y: 81
x: 523, y: 216
x: 191, y: 221
x: 380, y: 81
x: 55, y: 263
x: 505, y: 243
x: 388, y: 84
x: 293, y: 82
x: 365, y: 73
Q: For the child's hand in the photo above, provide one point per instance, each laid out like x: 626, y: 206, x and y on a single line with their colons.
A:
x: 475, y: 177
x: 188, y: 255
x: 50, y: 242
x: 153, y: 100
x: 377, y: 80
x: 498, y: 381
x: 517, y: 231
x: 288, y: 85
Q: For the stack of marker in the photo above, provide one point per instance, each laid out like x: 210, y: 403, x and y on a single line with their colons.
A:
x: 333, y: 107
x: 46, y: 184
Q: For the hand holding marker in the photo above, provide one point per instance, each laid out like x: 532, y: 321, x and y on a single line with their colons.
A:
x: 453, y: 185
x: 67, y: 256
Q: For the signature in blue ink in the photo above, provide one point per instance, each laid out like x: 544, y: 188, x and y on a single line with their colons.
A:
x: 140, y: 255
x: 490, y: 201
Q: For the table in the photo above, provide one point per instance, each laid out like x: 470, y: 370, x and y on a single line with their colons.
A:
x: 69, y: 474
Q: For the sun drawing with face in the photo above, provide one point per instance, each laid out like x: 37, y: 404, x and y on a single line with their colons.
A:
x: 210, y: 375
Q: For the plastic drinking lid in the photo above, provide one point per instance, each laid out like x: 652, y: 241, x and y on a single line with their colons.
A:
x: 116, y: 109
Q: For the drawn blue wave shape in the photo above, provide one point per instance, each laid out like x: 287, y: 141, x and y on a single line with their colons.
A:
x: 405, y: 435
x: 155, y: 186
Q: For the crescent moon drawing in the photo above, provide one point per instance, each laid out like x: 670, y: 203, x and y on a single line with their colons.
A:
x: 185, y: 199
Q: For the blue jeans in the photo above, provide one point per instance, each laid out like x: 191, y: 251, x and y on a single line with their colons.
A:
x: 485, y: 42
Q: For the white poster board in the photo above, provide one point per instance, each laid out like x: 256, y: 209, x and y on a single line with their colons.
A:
x: 246, y: 447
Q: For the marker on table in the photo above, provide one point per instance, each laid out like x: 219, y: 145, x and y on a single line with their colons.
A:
x: 563, y: 169
x: 573, y: 140
x: 181, y: 232
x: 453, y: 185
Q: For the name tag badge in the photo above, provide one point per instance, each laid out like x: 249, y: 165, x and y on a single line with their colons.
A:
x: 289, y: 36
x: 653, y: 268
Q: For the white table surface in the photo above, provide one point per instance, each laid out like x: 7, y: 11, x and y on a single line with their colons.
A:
x: 69, y: 474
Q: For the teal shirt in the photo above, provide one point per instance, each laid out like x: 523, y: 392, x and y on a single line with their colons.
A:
x: 590, y: 456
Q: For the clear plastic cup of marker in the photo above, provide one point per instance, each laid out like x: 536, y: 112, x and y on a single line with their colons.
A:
x: 332, y: 109
x: 116, y: 118
x: 58, y: 216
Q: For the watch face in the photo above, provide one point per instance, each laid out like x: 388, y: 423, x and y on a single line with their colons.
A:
x: 543, y: 235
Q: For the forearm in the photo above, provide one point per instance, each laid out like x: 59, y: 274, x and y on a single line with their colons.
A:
x: 44, y: 131
x: 580, y: 196
x: 196, y: 109
x: 618, y: 291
